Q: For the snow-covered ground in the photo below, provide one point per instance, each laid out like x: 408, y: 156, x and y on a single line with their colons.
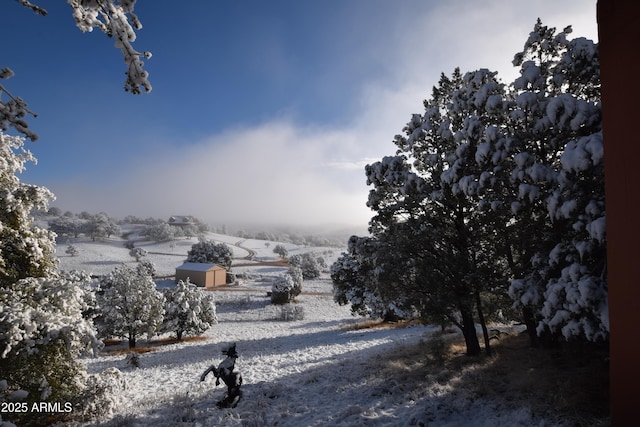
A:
x: 311, y: 372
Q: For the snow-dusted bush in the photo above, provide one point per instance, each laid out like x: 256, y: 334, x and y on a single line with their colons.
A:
x: 128, y: 305
x: 287, y: 286
x: 102, y: 394
x: 282, y: 289
x: 188, y: 310
x: 133, y: 359
x: 208, y: 251
x: 138, y: 253
x: 72, y: 250
x: 291, y: 312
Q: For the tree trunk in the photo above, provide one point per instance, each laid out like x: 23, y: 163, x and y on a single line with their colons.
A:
x: 469, y: 331
x: 530, y: 323
x: 132, y: 341
x: 483, y: 323
x: 179, y: 334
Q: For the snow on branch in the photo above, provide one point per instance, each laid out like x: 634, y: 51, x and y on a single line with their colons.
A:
x: 37, y: 9
x: 13, y: 111
x: 116, y: 19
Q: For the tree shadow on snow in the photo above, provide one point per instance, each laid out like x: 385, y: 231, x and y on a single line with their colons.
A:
x: 328, y: 388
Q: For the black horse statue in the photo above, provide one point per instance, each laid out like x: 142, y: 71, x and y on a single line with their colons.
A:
x: 233, y: 380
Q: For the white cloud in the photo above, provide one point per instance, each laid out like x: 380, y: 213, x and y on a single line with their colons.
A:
x: 275, y: 173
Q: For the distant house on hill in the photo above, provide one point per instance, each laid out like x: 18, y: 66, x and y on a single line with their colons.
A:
x: 182, y: 220
x: 202, y: 274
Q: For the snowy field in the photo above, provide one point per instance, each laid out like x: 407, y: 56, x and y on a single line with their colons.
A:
x: 311, y: 372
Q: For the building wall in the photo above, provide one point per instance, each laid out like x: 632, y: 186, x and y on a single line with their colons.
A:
x: 216, y: 276
x: 618, y: 35
x: 196, y: 277
x: 219, y: 277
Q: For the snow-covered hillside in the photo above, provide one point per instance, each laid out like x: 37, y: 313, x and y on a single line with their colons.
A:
x: 315, y: 371
x: 100, y: 257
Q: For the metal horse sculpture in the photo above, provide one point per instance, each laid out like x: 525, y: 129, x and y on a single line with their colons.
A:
x: 233, y: 380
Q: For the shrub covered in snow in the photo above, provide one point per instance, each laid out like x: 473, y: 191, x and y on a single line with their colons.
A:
x: 282, y: 289
x: 102, y: 394
x: 72, y: 250
x: 287, y: 286
x: 138, y: 253
x: 291, y: 312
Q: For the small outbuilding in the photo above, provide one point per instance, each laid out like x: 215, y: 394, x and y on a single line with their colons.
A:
x: 202, y: 274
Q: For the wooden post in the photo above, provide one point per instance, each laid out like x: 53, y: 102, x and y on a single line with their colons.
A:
x: 619, y: 38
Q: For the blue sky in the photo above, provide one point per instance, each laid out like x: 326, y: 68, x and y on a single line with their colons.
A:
x: 262, y: 111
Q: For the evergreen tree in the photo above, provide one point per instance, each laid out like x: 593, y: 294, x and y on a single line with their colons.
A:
x: 558, y: 168
x: 101, y: 226
x: 129, y: 305
x: 42, y: 334
x: 480, y: 172
x: 42, y: 330
x: 208, y: 251
x: 188, y: 310
x: 281, y: 250
x: 25, y: 249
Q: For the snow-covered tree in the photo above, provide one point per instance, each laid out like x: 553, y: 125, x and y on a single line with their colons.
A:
x: 281, y: 250
x: 25, y: 249
x: 147, y: 267
x: 355, y: 281
x: 308, y: 263
x: 160, y: 232
x: 208, y: 251
x: 188, y: 310
x: 559, y: 169
x: 67, y: 226
x: 485, y: 168
x: 101, y: 226
x: 42, y: 334
x: 129, y: 305
x: 431, y: 242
